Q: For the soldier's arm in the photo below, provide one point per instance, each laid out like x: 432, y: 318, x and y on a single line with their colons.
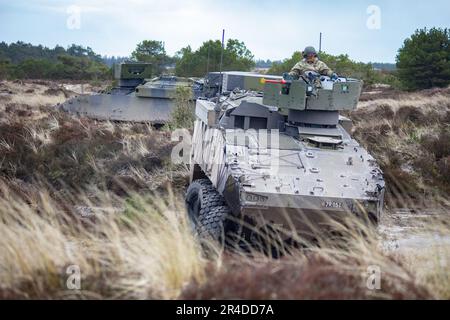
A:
x: 324, y: 69
x: 296, y: 71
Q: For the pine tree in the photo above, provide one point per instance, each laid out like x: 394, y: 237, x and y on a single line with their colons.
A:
x: 424, y: 60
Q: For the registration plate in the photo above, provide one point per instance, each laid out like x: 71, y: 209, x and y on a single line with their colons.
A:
x: 332, y: 204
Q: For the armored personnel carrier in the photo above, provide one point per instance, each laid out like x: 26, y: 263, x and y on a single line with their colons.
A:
x: 137, y: 98
x: 276, y: 154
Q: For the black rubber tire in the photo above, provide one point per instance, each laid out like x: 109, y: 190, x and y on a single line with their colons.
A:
x: 373, y: 219
x: 207, y: 210
x: 214, y: 224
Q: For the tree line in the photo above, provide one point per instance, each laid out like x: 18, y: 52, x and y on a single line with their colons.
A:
x: 25, y: 61
x: 422, y: 62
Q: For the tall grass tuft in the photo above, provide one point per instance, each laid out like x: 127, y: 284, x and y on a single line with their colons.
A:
x: 148, y: 254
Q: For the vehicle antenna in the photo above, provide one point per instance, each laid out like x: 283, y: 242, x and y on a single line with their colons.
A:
x: 207, y: 60
x: 221, y: 58
x: 217, y: 108
x: 320, y: 43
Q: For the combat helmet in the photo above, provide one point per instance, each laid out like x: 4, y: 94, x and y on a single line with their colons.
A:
x: 308, y: 51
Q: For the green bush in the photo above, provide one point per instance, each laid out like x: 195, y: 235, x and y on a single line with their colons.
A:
x: 67, y: 67
x: 5, y: 69
x: 424, y: 60
x: 34, y: 69
x: 183, y: 113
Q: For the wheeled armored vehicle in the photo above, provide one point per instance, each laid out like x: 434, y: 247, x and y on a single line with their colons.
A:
x: 277, y: 155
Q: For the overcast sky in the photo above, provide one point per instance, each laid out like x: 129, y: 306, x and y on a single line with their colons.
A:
x: 368, y: 30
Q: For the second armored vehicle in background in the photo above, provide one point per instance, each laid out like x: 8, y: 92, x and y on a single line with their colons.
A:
x: 137, y: 98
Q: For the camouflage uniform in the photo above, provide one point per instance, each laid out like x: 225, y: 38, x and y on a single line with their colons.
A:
x: 317, y: 66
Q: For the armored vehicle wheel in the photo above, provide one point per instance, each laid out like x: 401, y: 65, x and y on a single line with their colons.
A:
x: 207, y: 211
x: 214, y: 224
x: 373, y: 219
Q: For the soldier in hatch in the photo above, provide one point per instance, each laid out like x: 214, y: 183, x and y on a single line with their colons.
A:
x: 311, y: 62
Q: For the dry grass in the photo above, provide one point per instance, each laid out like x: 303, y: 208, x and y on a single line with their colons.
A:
x: 409, y: 135
x: 335, y: 266
x: 39, y: 142
x: 148, y: 253
x: 145, y: 250
x: 103, y: 196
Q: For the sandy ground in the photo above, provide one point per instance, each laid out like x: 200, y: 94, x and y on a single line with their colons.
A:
x: 403, y: 230
x: 43, y: 92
